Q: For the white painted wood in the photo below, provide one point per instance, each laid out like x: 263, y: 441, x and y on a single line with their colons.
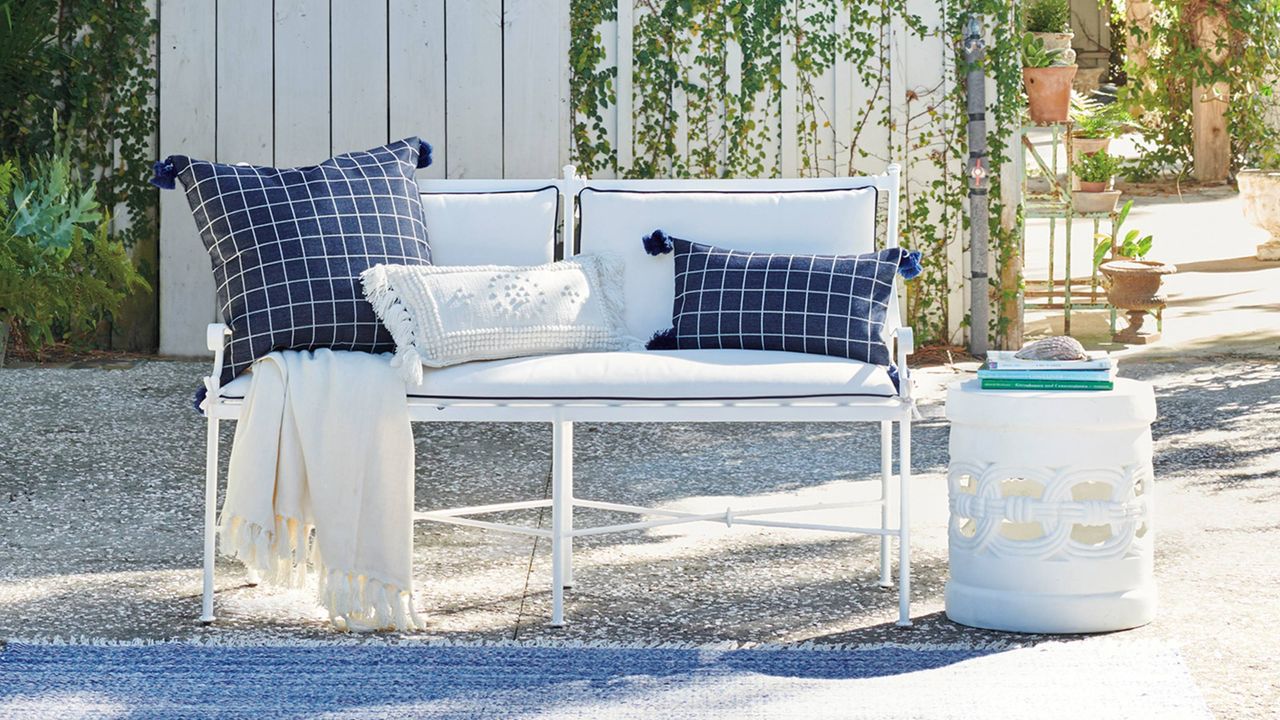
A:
x: 358, y: 50
x: 530, y: 95
x: 624, y: 118
x: 416, y: 77
x: 301, y: 70
x: 244, y: 117
x: 789, y: 113
x: 473, y: 83
x: 844, y: 86
x: 187, y: 76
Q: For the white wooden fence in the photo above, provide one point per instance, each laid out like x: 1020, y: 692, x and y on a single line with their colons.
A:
x: 290, y: 82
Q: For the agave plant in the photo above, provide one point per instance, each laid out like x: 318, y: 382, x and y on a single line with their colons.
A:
x: 1132, y: 245
x: 1036, y: 55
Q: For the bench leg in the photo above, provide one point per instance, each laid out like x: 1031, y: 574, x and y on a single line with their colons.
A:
x: 904, y: 522
x: 561, y: 515
x: 886, y: 475
x: 210, y: 507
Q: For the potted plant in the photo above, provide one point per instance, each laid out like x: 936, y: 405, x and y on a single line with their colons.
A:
x: 1095, y: 124
x: 1095, y: 172
x: 1050, y: 21
x: 1047, y: 79
x: 1134, y: 283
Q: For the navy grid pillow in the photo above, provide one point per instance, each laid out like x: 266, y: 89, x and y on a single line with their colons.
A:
x: 820, y: 304
x: 288, y: 245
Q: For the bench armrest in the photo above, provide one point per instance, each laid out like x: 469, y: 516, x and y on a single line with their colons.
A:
x: 216, y: 340
x: 906, y: 342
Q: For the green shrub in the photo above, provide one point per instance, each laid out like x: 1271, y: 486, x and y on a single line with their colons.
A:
x: 1048, y: 16
x: 60, y: 270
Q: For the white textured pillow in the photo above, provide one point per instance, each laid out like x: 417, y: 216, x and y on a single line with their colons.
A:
x: 445, y: 315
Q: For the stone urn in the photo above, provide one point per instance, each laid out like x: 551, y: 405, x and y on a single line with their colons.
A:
x: 1134, y: 286
x: 1260, y: 192
x: 1059, y: 41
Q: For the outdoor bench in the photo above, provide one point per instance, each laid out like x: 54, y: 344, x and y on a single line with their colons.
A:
x: 521, y: 221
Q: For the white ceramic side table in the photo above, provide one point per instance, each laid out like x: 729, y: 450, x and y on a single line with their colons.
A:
x: 1050, y: 496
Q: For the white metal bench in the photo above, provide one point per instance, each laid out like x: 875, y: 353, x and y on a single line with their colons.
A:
x: 732, y: 385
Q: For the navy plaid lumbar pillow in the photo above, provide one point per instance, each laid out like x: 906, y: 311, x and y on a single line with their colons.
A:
x: 288, y: 245
x: 820, y: 304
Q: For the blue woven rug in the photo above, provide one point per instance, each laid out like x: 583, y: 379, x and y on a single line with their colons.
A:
x: 1091, y: 678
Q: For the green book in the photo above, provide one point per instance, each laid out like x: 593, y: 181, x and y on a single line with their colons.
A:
x: 1028, y: 384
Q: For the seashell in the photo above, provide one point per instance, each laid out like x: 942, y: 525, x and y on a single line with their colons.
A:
x: 1060, y: 347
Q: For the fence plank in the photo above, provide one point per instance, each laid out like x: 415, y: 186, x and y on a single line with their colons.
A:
x: 624, y: 117
x: 358, y: 42
x: 244, y: 117
x: 301, y: 70
x: 473, y: 82
x: 531, y: 88
x: 415, y: 38
x: 789, y: 113
x: 187, y: 126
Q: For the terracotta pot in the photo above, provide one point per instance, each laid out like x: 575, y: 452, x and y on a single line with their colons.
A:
x: 1260, y: 193
x: 1135, y: 287
x: 1048, y: 92
x: 1081, y: 146
x: 1087, y: 201
x: 1093, y: 187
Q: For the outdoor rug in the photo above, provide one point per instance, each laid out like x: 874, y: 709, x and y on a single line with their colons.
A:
x: 1096, y: 679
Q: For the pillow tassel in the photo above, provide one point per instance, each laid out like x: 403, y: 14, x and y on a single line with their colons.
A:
x: 424, y: 153
x: 909, y: 265
x: 657, y: 243
x: 395, y: 317
x: 165, y: 174
x: 662, y: 340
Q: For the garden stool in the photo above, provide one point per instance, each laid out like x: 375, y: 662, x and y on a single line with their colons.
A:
x: 1050, y: 497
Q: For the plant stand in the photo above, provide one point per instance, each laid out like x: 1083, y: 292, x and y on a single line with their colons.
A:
x: 1057, y: 205
x: 1050, y: 498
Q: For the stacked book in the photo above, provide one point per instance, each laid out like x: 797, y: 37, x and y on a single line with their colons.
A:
x: 1003, y: 371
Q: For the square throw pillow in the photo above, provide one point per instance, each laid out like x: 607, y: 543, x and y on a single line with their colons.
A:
x: 821, y: 304
x: 288, y: 245
x: 444, y: 315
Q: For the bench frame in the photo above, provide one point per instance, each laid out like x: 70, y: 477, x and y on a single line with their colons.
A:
x: 563, y: 414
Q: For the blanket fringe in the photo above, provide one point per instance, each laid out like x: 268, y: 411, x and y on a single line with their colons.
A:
x: 289, y: 556
x: 395, y: 316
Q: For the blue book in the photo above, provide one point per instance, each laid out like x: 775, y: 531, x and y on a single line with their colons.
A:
x: 1056, y: 375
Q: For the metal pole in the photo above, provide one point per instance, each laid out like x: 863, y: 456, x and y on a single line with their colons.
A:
x: 979, y: 227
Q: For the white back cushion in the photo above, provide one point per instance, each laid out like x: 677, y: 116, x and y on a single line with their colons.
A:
x: 492, y: 228
x: 825, y: 222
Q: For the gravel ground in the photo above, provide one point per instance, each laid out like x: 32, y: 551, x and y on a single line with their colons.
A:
x: 100, y: 504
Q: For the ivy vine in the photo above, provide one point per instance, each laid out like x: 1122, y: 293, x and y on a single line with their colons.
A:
x: 1163, y: 89
x: 708, y: 89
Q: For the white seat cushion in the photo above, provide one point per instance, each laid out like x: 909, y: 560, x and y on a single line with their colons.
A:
x: 818, y: 222
x: 665, y: 375
x: 492, y: 228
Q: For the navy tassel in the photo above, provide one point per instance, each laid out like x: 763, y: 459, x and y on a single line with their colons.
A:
x: 657, y: 243
x: 165, y: 174
x: 202, y: 392
x: 424, y: 154
x: 662, y: 340
x: 909, y: 266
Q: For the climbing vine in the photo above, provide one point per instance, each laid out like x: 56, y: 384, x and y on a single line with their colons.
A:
x: 715, y: 81
x: 1246, y: 58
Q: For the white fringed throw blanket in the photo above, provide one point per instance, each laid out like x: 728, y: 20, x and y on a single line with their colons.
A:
x: 321, y: 481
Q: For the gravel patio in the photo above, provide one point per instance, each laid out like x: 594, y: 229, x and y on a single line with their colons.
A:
x: 101, y: 474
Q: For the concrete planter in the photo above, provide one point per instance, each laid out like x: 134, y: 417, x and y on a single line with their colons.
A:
x: 1260, y: 191
x: 1090, y: 201
x: 1048, y: 92
x: 1059, y: 41
x: 1135, y: 286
